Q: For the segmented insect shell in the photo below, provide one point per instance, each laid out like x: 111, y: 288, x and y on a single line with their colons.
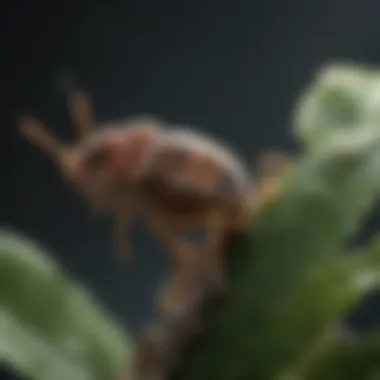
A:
x: 214, y: 157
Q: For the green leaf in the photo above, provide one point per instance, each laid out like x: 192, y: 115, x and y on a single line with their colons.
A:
x: 29, y: 354
x: 289, y: 284
x: 306, y: 325
x: 323, y: 201
x: 343, y: 99
x: 45, y: 314
x: 350, y: 360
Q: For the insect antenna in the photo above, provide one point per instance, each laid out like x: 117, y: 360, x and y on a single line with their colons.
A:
x: 81, y: 112
x: 121, y: 241
x: 37, y: 134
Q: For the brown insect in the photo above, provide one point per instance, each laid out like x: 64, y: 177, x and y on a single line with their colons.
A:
x: 177, y: 180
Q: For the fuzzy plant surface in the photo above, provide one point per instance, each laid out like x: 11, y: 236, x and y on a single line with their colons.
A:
x: 292, y: 280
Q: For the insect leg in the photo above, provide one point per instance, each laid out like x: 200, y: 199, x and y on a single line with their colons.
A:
x: 122, y: 243
x: 180, y: 304
x: 203, y: 263
x: 272, y: 164
x: 213, y: 250
x: 271, y: 168
x: 149, y: 355
x: 81, y: 112
x: 161, y: 348
x: 165, y: 228
x: 186, y: 260
x: 188, y: 256
x: 217, y: 222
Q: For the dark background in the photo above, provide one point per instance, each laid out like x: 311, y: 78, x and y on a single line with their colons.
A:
x: 235, y: 68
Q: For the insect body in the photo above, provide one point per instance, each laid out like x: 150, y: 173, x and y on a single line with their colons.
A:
x: 193, y: 165
x: 106, y: 166
x: 177, y: 180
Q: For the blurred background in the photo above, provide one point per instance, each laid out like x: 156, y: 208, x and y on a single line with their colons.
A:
x: 232, y: 68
